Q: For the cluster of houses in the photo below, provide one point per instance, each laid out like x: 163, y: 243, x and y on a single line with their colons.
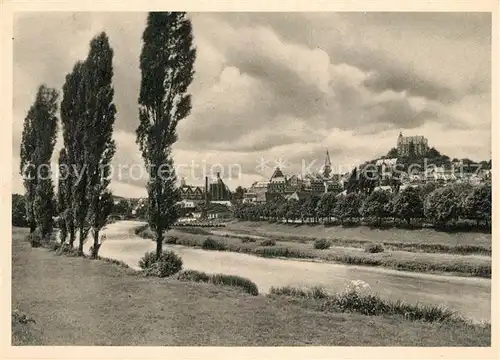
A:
x: 294, y: 187
x: 214, y: 199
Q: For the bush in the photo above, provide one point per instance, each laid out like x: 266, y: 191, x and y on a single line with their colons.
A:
x: 35, y: 238
x: 235, y: 281
x: 147, y: 260
x: 193, y: 275
x: 359, y: 298
x: 171, y: 240
x: 169, y: 264
x: 145, y: 232
x: 53, y: 245
x: 268, y: 242
x: 66, y: 249
x: 115, y: 262
x: 211, y: 244
x: 374, y: 248
x: 321, y: 244
x: 248, y: 240
x: 220, y: 279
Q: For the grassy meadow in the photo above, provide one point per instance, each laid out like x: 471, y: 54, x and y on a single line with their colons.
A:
x: 78, y: 301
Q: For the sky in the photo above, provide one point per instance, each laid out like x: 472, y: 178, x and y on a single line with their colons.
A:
x: 280, y: 89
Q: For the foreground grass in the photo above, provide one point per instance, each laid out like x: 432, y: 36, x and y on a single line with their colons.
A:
x: 464, y: 265
x: 78, y: 301
x: 424, y: 240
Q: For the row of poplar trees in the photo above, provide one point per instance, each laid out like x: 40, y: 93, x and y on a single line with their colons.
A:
x: 87, y: 112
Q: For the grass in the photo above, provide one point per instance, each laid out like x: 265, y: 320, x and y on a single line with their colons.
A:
x: 374, y: 248
x: 464, y: 265
x: 369, y: 304
x: 322, y: 244
x: 423, y: 240
x: 220, y: 279
x: 211, y: 244
x: 78, y: 301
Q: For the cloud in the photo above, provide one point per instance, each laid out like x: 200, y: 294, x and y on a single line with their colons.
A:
x: 284, y: 85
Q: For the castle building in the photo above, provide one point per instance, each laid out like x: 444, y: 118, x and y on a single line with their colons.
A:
x: 406, y: 145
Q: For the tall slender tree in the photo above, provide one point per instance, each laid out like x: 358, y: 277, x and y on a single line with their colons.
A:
x: 62, y: 194
x: 37, y: 146
x: 72, y: 115
x: 98, y: 143
x: 166, y: 64
x: 27, y: 167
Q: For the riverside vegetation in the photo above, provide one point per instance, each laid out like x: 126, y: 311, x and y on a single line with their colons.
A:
x: 366, y: 253
x: 124, y: 316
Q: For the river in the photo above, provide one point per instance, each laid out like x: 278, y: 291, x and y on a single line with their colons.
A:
x: 469, y: 296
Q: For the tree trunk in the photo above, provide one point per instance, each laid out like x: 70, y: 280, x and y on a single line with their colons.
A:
x: 159, y: 243
x: 32, y: 227
x: 80, y: 242
x: 96, y: 245
x: 71, y: 235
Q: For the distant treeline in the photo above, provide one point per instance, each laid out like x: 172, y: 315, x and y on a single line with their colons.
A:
x: 443, y: 207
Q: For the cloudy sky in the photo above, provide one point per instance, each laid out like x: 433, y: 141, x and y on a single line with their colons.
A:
x: 281, y: 88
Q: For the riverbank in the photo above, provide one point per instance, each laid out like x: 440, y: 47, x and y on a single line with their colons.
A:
x: 78, y: 301
x: 421, y: 262
x: 417, y: 240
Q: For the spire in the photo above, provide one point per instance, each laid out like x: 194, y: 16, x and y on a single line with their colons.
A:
x: 327, y: 159
x: 328, y: 165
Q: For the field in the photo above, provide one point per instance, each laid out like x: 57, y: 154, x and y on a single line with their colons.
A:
x: 362, y: 234
x: 77, y: 301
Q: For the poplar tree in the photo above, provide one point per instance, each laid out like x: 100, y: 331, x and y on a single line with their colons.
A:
x: 72, y: 115
x: 98, y: 143
x: 37, y: 146
x: 166, y: 64
x: 62, y: 194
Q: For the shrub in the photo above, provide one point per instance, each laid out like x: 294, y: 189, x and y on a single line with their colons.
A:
x: 145, y: 232
x: 235, y: 281
x: 248, y: 240
x: 168, y: 264
x: 357, y: 297
x: 193, y: 275
x: 171, y: 239
x: 220, y: 279
x: 374, y: 248
x: 53, y: 245
x: 66, y: 249
x: 116, y: 262
x: 316, y: 292
x: 211, y: 244
x: 20, y: 317
x: 321, y: 244
x: 34, y: 238
x: 268, y: 242
x: 147, y: 260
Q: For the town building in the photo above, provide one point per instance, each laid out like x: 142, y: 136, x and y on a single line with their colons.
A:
x: 218, y: 191
x: 406, y: 145
x: 256, y: 192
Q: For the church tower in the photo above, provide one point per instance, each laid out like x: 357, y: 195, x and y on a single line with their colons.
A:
x: 327, y: 169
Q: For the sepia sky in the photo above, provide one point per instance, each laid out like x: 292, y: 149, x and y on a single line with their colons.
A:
x: 281, y: 88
